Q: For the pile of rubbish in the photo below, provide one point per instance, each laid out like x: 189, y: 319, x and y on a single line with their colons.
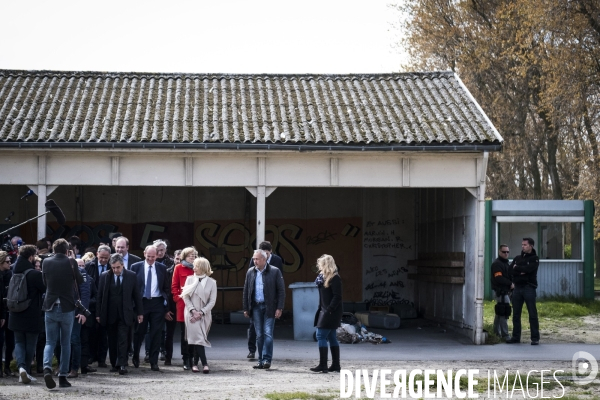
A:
x: 352, y: 331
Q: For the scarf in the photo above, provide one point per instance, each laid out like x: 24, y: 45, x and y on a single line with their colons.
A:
x: 320, y: 281
x: 189, y: 289
x: 187, y: 264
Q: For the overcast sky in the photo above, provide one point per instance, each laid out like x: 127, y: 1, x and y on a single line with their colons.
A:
x: 229, y: 36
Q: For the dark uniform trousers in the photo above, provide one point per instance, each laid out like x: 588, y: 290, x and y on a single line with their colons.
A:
x: 116, y: 327
x: 154, y: 314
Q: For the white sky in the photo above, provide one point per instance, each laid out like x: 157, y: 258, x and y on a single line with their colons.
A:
x: 228, y: 36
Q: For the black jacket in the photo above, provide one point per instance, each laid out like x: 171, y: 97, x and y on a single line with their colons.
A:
x: 59, y: 277
x: 91, y: 268
x: 329, y: 313
x: 132, y: 298
x: 524, y: 269
x: 29, y: 320
x: 273, y: 288
x: 500, y: 276
x: 131, y: 259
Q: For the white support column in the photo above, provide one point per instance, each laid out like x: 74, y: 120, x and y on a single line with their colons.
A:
x: 261, y: 200
x: 260, y: 214
x: 479, y: 265
x: 42, y: 192
x: 41, y: 222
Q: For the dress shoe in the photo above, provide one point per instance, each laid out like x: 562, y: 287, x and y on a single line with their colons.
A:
x: 259, y: 365
x: 50, y: 384
x: 251, y: 355
x: 63, y: 382
x: 88, y: 369
x: 136, y: 362
x: 267, y: 365
x: 147, y: 358
x: 154, y: 367
x: 114, y: 369
x: 122, y: 371
x: 102, y: 365
x: 73, y: 374
x: 535, y: 342
x: 513, y: 340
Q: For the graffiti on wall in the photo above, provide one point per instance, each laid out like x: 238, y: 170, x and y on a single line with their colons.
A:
x: 386, y: 245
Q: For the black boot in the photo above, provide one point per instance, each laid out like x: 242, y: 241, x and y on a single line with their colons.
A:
x: 322, y: 367
x: 335, y: 359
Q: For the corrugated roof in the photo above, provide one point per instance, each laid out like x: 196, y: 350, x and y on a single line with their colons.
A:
x: 93, y: 107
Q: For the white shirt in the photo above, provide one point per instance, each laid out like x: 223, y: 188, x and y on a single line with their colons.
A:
x: 126, y: 260
x: 154, y: 289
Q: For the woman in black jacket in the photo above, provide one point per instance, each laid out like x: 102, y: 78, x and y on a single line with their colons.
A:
x: 329, y: 313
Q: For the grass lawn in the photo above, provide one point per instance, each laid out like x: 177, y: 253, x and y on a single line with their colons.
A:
x: 553, y: 313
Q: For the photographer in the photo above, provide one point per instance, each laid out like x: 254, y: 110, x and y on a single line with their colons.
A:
x: 27, y: 324
x: 59, y: 305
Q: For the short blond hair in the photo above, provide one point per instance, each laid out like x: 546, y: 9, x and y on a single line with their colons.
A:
x: 203, y: 266
x: 87, y: 257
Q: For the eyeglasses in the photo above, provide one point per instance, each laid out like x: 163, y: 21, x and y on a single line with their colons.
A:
x: 505, y: 252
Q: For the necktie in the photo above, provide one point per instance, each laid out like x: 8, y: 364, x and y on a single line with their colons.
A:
x: 148, y: 291
x: 119, y: 281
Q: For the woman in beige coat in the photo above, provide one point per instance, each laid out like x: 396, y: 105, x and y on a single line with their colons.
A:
x: 199, y: 295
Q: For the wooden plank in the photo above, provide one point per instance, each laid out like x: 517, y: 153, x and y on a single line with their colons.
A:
x: 454, y: 256
x: 439, y: 279
x: 436, y: 263
x: 441, y: 271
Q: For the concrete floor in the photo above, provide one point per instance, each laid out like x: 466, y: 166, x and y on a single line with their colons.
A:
x: 418, y: 340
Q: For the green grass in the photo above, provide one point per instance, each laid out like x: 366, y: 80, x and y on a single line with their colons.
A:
x: 553, y: 312
x: 297, y: 396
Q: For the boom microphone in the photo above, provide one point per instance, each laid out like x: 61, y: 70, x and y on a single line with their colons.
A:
x: 56, y: 211
x: 29, y: 193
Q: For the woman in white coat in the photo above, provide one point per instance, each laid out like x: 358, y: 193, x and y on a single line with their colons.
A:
x: 200, y: 296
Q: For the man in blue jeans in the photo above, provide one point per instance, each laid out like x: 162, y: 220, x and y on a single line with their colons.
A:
x: 59, y: 305
x: 264, y: 297
x: 524, y: 272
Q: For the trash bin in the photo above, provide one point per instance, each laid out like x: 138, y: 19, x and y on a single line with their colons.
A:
x: 305, y: 298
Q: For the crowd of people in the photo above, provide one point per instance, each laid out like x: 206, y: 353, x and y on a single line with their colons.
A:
x: 82, y: 305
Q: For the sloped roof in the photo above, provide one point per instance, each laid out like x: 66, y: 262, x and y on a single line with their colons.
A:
x: 96, y: 107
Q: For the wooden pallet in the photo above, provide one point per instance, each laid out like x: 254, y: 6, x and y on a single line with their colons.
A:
x: 439, y: 267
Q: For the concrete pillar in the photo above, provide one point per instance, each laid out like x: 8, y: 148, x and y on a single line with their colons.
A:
x: 260, y: 214
x: 41, y: 222
x: 479, y: 266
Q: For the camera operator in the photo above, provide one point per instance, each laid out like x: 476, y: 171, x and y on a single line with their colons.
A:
x: 27, y: 324
x: 59, y: 306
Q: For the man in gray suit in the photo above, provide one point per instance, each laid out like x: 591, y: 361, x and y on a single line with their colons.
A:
x: 59, y: 277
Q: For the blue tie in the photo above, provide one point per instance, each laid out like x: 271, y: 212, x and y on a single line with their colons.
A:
x: 148, y: 292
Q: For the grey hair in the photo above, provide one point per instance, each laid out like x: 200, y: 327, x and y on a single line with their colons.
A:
x: 159, y: 242
x: 150, y: 246
x: 261, y: 252
x: 116, y: 258
x: 103, y: 248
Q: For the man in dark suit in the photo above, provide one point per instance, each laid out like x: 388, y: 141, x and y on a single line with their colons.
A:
x: 98, y: 337
x: 154, y: 288
x: 59, y: 305
x: 276, y: 261
x: 122, y: 247
x: 119, y: 301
